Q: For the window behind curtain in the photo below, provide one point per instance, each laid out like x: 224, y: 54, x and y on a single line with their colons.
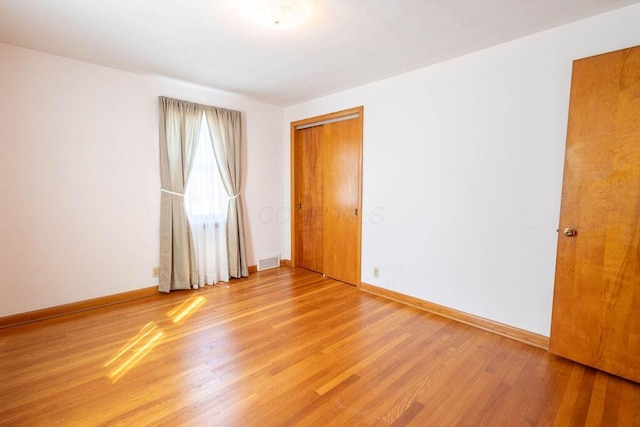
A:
x: 206, y: 202
x: 205, y: 197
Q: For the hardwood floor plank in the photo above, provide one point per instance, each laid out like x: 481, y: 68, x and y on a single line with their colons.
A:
x: 500, y: 388
x: 408, y: 375
x: 290, y: 347
x: 629, y: 405
x: 596, y: 404
x: 361, y: 364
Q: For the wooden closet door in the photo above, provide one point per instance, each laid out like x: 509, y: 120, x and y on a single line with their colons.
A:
x: 596, y: 306
x: 342, y: 153
x: 309, y: 198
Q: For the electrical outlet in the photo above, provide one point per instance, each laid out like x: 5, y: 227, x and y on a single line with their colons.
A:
x: 376, y: 272
x: 155, y: 271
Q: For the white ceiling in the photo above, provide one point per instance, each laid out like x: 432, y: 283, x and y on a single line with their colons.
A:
x: 214, y: 43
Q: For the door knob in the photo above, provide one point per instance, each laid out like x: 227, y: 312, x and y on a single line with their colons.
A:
x: 570, y: 232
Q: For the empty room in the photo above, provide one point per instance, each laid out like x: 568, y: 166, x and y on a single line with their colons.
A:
x: 305, y: 212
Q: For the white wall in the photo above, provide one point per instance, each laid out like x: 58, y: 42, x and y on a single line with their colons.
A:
x: 79, y: 177
x: 463, y: 170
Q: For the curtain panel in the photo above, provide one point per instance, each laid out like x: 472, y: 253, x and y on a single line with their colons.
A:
x: 179, y: 129
x: 225, y: 129
x: 180, y: 123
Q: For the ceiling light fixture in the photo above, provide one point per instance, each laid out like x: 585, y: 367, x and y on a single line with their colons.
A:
x: 282, y: 14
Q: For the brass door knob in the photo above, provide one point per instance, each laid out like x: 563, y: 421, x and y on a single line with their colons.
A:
x: 570, y: 232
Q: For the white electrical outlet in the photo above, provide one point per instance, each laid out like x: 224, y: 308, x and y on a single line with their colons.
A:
x: 376, y: 272
x: 155, y: 272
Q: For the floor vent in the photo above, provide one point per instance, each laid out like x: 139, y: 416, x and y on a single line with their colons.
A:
x: 267, y: 263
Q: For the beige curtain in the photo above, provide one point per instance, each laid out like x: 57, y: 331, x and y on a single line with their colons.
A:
x: 180, y: 123
x: 224, y: 126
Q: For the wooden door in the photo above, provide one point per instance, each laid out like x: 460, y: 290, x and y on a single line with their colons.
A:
x: 596, y: 306
x: 342, y: 153
x: 326, y: 194
x: 309, y: 198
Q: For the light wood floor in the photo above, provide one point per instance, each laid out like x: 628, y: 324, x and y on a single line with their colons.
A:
x: 287, y: 347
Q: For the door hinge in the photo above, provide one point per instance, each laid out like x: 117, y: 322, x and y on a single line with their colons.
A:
x: 356, y: 211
